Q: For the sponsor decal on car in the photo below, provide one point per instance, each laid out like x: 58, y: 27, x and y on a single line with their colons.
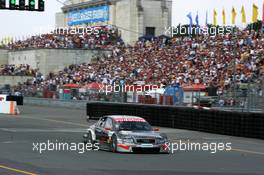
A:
x: 123, y: 146
x: 129, y: 120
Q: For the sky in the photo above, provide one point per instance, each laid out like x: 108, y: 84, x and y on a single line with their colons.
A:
x: 182, y: 7
x: 22, y: 23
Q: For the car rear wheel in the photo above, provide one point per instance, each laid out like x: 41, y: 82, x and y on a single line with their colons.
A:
x: 114, y: 144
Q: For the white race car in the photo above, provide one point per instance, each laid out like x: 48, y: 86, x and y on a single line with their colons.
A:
x: 119, y: 133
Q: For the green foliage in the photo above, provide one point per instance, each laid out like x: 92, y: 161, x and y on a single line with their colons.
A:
x: 257, y: 26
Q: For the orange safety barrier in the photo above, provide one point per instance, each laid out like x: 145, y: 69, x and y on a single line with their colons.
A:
x: 9, y: 107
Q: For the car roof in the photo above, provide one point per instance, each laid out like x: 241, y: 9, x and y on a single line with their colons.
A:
x: 123, y: 116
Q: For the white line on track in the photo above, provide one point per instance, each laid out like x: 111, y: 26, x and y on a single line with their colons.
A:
x: 78, y: 130
x: 52, y: 120
x: 7, y: 142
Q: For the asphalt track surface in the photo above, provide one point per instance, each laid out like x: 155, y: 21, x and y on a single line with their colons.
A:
x: 39, y: 124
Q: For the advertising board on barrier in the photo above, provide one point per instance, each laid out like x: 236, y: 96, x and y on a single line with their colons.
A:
x: 9, y: 107
x: 89, y: 15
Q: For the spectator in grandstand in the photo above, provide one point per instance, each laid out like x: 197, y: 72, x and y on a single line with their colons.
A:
x: 19, y: 70
x: 103, y: 37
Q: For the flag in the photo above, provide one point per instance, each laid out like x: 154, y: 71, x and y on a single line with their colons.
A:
x: 197, y: 19
x: 215, y: 14
x: 243, y: 15
x: 206, y: 19
x: 191, y: 22
x: 263, y: 14
x: 224, y: 17
x: 197, y: 23
x: 234, y: 15
x: 255, y: 13
x: 263, y: 17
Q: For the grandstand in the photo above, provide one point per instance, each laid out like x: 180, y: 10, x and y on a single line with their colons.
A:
x: 166, y: 61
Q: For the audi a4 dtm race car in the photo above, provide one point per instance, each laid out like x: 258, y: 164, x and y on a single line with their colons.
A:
x: 119, y: 133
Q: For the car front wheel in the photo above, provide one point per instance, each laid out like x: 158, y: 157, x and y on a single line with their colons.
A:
x: 88, y: 138
x: 114, y: 144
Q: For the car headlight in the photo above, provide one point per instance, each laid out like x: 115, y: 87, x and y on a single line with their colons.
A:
x: 161, y: 140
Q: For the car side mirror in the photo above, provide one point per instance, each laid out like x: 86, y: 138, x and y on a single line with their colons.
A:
x: 108, y: 129
x: 156, y: 129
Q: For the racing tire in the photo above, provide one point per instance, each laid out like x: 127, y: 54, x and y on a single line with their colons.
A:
x: 88, y: 139
x: 114, y: 144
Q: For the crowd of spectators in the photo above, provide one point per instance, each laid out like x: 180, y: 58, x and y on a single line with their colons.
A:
x: 210, y: 60
x: 103, y: 37
x: 17, y: 70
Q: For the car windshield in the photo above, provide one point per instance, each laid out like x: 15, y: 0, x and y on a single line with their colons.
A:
x: 134, y: 126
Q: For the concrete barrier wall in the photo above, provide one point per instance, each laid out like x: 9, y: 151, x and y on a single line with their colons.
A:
x: 72, y: 104
x: 212, y: 121
x: 50, y: 60
x: 13, y: 80
x: 3, y: 56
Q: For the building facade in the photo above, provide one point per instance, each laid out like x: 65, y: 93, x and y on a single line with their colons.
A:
x: 133, y: 18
